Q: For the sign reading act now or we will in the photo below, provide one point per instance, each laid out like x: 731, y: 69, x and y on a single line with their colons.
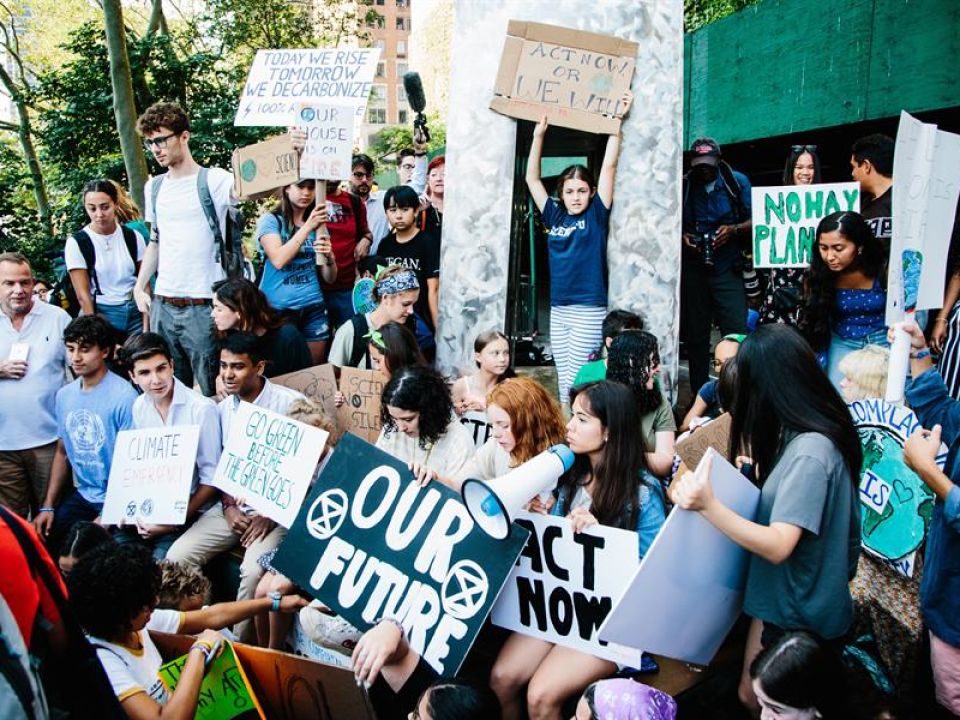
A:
x: 151, y: 476
x: 268, y: 461
x: 575, y: 78
x: 565, y: 584
x: 281, y: 80
x: 785, y: 220
x: 369, y: 543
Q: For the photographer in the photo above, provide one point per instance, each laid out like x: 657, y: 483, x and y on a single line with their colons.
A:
x: 716, y: 224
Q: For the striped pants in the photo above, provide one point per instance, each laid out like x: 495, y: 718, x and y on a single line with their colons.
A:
x: 575, y: 332
x: 950, y: 359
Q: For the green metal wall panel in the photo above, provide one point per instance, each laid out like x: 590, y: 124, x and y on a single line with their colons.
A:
x: 785, y: 66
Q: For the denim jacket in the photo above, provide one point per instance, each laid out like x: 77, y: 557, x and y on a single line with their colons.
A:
x: 940, y: 587
x: 650, y: 518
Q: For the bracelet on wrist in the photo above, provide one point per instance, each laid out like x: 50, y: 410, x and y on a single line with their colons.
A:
x: 205, y: 648
x: 940, y: 320
x: 920, y: 354
x: 45, y: 510
x: 275, y: 598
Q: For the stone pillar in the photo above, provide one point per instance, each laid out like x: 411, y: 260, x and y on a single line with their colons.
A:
x: 644, y: 241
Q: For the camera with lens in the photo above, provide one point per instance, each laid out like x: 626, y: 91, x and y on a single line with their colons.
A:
x: 703, y: 242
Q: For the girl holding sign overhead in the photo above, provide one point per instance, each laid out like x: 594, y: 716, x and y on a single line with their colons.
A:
x: 577, y: 222
x: 846, y: 298
x: 805, y: 541
x: 610, y: 485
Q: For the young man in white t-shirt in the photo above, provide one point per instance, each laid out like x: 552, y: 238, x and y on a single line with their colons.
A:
x: 188, y: 263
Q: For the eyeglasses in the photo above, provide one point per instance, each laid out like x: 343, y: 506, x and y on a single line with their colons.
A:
x: 361, y: 175
x: 803, y: 148
x: 158, y: 142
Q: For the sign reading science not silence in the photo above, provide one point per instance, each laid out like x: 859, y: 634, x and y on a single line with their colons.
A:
x: 370, y: 543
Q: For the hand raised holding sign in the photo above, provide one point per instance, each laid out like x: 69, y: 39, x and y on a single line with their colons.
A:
x: 422, y: 474
x: 581, y: 519
x: 920, y: 451
x: 381, y: 644
x: 693, y: 491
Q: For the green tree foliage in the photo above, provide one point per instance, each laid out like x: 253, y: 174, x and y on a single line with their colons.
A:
x: 697, y: 13
x: 391, y: 140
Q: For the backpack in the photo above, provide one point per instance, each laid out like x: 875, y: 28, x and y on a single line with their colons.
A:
x: 229, y: 248
x: 85, y: 243
x: 360, y: 347
x: 21, y: 690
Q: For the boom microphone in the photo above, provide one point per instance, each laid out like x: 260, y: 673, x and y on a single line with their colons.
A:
x: 418, y: 101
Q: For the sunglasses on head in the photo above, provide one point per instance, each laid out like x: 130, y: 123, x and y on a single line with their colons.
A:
x: 803, y: 148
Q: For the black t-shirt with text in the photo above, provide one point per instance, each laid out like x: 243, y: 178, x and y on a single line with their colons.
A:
x: 422, y: 255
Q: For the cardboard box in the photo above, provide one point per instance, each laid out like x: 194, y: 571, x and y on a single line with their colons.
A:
x: 575, y: 78
x: 288, y: 687
x: 260, y: 169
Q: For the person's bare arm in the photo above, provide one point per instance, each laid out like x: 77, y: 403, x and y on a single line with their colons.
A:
x: 80, y: 279
x: 608, y: 169
x: 433, y: 299
x: 698, y: 410
x: 660, y: 461
x: 534, y: 183
x: 59, y: 479
x: 141, y: 291
x: 224, y: 614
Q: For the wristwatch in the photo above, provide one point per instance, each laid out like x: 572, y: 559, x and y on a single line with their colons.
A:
x: 275, y: 596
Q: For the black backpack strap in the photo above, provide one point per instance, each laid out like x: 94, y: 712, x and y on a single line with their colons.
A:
x: 85, y: 243
x: 210, y: 211
x: 359, y: 349
x: 130, y: 240
x: 734, y: 190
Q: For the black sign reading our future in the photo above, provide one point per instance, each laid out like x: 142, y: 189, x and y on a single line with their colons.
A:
x: 370, y: 543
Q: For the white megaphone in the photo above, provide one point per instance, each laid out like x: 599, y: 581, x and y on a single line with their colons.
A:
x: 493, y: 505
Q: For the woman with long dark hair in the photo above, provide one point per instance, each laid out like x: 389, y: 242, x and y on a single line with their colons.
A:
x: 805, y: 542
x: 607, y: 485
x: 846, y: 299
x: 783, y: 298
x: 238, y: 306
x: 293, y: 258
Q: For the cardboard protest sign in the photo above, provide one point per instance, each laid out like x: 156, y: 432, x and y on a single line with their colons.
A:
x: 575, y: 78
x: 287, y: 687
x: 896, y: 503
x: 269, y: 460
x: 369, y: 542
x: 318, y: 383
x: 360, y: 412
x: 225, y: 692
x: 151, y: 475
x: 281, y: 80
x: 565, y: 584
x: 478, y: 426
x: 785, y: 220
x: 715, y: 434
x: 329, y: 147
x: 259, y: 169
x: 691, y: 580
x: 926, y: 171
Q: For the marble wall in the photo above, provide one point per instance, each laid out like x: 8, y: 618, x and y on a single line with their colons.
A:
x: 644, y: 242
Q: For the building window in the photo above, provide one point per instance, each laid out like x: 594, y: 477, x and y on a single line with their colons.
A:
x: 380, y: 44
x: 401, y: 93
x: 401, y: 70
x: 380, y: 69
x: 401, y: 48
x: 378, y: 93
x: 402, y: 115
x: 401, y: 23
x: 380, y: 2
x: 401, y: 3
x: 377, y: 116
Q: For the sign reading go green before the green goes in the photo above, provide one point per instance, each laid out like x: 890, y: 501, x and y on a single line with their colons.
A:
x: 785, y: 220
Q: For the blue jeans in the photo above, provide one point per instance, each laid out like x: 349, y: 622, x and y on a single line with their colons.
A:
x: 72, y: 509
x: 158, y: 546
x: 189, y: 332
x: 841, y: 347
x: 126, y: 317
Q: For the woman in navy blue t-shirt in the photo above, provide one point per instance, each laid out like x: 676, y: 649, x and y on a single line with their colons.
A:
x: 577, y: 222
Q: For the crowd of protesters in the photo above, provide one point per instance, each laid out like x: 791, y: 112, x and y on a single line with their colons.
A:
x: 168, y: 336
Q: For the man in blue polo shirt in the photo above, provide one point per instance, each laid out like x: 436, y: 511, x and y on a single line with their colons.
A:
x: 90, y: 412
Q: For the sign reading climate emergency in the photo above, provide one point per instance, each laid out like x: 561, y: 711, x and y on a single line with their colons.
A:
x: 370, y: 543
x: 268, y: 461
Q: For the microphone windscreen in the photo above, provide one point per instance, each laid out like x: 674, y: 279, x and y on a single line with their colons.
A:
x: 414, y: 88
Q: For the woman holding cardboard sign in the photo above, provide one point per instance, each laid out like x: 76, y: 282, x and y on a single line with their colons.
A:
x: 293, y: 258
x: 805, y: 450
x: 577, y: 225
x: 608, y: 484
